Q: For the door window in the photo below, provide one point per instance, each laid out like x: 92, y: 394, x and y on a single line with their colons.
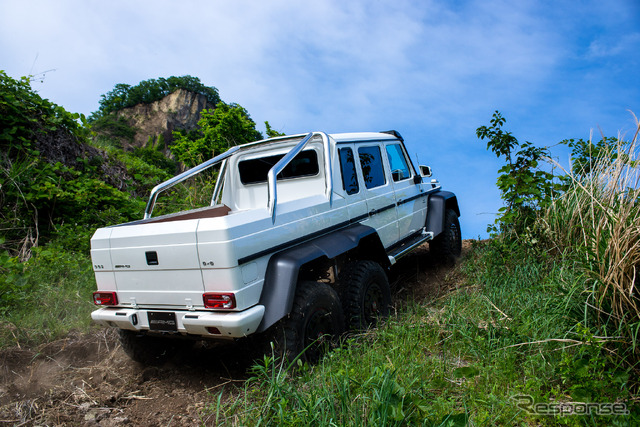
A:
x: 398, y: 163
x: 371, y: 163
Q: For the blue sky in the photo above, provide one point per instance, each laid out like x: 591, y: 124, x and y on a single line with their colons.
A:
x: 433, y: 70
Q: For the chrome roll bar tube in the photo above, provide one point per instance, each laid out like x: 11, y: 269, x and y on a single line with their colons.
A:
x: 272, y: 189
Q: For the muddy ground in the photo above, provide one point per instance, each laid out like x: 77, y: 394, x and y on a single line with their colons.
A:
x: 86, y: 379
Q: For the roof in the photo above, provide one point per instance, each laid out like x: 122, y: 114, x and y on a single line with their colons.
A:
x: 361, y: 136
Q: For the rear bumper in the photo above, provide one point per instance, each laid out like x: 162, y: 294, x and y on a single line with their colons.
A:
x: 230, y: 324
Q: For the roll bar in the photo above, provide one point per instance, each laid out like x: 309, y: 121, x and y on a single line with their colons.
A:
x: 271, y: 176
x: 272, y: 190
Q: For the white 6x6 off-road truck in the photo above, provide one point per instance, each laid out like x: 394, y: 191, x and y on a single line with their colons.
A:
x: 298, y: 238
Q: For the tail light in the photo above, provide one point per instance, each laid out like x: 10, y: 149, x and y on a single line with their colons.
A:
x: 219, y: 301
x: 105, y: 298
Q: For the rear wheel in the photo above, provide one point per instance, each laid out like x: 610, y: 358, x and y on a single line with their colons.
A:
x: 367, y: 296
x: 314, y: 324
x: 447, y: 246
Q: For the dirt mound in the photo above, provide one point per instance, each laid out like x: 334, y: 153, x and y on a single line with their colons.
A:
x: 86, y: 379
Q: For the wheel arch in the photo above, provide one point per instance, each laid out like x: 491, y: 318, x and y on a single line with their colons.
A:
x: 437, y: 206
x: 283, y: 269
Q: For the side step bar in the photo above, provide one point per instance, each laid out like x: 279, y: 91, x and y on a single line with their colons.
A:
x: 407, y: 247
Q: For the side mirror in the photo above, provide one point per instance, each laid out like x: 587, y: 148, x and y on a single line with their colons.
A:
x: 425, y: 171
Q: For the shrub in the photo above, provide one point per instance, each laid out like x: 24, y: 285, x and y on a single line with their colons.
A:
x: 525, y: 188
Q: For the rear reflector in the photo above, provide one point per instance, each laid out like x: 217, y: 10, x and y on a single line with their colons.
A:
x: 219, y: 301
x: 105, y: 298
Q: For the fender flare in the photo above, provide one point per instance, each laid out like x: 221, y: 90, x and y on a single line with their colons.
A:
x: 437, y: 205
x: 281, y: 277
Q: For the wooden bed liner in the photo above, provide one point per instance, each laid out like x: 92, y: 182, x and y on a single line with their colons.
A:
x: 208, y: 212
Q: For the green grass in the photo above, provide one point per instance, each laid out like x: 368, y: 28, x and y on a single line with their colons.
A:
x: 461, y: 360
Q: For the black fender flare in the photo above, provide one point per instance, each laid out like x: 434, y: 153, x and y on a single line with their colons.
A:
x: 437, y: 205
x: 281, y: 277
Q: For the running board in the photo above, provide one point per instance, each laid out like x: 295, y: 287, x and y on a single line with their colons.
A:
x: 410, y: 245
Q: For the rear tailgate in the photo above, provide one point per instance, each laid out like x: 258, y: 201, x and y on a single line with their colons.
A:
x: 156, y: 264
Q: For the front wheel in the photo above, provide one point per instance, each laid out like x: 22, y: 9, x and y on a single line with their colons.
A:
x: 447, y: 246
x: 315, y: 322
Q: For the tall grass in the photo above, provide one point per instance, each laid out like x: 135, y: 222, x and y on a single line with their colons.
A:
x: 597, y: 221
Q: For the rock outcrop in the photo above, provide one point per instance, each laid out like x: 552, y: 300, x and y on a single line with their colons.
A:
x: 179, y: 110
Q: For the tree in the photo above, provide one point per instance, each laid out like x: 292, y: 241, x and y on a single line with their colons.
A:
x: 525, y: 188
x: 224, y: 127
x: 585, y: 154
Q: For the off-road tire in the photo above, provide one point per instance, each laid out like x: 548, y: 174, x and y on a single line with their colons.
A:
x: 367, y: 296
x: 149, y: 350
x: 313, y: 325
x: 447, y: 246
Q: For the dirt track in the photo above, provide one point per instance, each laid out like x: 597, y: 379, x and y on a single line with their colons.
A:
x: 86, y: 379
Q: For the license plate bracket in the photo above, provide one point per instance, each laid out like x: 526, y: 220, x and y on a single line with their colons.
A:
x: 162, y: 321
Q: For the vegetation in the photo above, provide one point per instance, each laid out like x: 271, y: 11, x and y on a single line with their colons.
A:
x: 525, y: 188
x: 112, y: 130
x: 42, y: 197
x: 595, y: 224
x: 220, y: 129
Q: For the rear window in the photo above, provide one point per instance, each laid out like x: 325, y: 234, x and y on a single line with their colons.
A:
x: 254, y: 171
x: 348, y: 167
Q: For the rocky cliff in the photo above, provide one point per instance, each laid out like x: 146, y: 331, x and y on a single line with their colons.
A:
x: 179, y: 110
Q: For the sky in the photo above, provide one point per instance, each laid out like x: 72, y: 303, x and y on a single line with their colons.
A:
x: 434, y: 70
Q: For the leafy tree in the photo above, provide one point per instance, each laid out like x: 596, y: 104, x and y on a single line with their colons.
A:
x: 227, y: 125
x: 585, y: 154
x: 525, y: 188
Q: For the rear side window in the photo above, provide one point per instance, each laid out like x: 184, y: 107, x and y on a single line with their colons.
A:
x: 348, y: 168
x: 255, y: 171
x: 398, y: 163
x: 372, y: 169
